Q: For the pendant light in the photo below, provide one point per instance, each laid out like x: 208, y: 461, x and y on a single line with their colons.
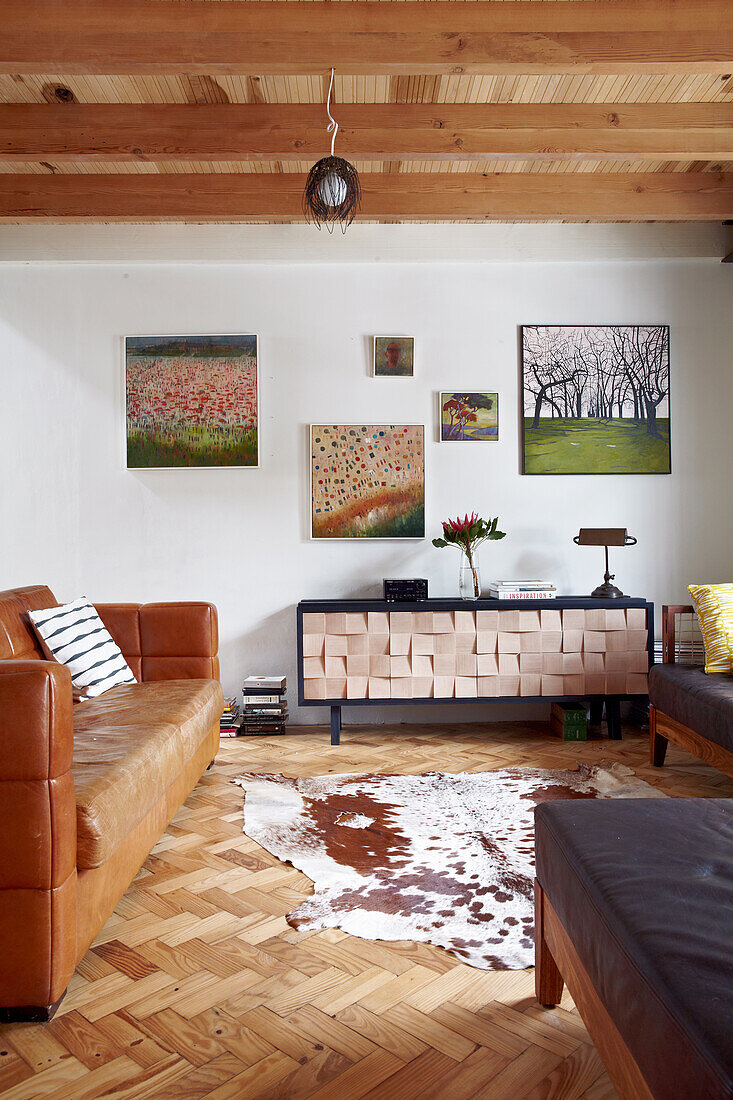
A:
x: 332, y: 192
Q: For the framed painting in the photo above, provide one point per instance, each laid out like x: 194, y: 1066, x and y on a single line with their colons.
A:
x: 367, y: 481
x: 191, y: 401
x: 595, y: 399
x: 469, y: 417
x: 394, y: 356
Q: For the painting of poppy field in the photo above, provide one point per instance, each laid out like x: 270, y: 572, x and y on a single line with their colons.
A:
x: 469, y: 417
x: 191, y: 401
x: 367, y: 481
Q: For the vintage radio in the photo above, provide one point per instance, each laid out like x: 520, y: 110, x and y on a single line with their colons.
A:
x: 405, y: 590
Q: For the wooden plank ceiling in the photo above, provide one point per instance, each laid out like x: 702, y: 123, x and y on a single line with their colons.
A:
x: 472, y: 110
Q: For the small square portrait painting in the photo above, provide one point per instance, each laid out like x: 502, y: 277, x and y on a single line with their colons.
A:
x: 394, y: 356
x: 466, y: 417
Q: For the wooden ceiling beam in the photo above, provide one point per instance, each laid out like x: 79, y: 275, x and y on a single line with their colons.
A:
x: 254, y: 37
x: 287, y: 132
x: 663, y: 196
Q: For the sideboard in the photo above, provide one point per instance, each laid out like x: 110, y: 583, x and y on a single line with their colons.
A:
x: 437, y: 651
x: 370, y: 652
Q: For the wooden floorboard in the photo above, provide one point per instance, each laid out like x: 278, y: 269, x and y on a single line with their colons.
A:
x: 197, y: 986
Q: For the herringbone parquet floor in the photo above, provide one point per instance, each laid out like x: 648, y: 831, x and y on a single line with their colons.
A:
x: 197, y: 987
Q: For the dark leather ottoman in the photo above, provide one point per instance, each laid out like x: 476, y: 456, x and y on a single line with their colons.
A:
x: 701, y: 700
x: 635, y: 911
x: 688, y: 706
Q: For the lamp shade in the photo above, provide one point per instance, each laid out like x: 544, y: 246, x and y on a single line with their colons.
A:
x: 603, y: 536
x: 332, y: 193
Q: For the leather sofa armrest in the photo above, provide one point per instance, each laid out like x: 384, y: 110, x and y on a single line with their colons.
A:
x: 179, y: 641
x: 37, y: 834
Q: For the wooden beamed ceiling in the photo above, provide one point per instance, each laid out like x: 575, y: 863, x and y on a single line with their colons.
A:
x: 293, y: 132
x: 366, y: 36
x: 509, y: 196
x: 570, y: 110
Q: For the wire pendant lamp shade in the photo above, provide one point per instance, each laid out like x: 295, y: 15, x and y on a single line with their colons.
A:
x: 332, y: 193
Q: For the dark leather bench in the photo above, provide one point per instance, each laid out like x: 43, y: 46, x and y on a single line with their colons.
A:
x: 688, y: 706
x: 634, y: 902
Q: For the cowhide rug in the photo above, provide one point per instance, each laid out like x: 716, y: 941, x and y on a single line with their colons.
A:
x: 446, y: 859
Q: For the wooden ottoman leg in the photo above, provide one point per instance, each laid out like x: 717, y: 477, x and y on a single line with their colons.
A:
x: 657, y: 743
x: 548, y: 980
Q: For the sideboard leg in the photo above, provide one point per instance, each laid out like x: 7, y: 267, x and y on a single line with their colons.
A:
x: 335, y: 725
x: 596, y: 712
x: 613, y: 717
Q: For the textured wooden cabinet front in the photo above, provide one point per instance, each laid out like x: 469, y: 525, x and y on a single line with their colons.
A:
x: 473, y: 654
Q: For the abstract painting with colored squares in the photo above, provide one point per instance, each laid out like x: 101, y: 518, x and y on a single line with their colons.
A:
x: 367, y: 481
x: 191, y: 401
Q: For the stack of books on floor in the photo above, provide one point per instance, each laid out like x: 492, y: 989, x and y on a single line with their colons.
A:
x: 231, y: 719
x: 521, y: 590
x: 265, y: 705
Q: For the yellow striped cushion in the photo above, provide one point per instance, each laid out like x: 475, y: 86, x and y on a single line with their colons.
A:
x: 714, y: 606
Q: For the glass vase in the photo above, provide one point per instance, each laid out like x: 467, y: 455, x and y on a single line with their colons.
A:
x: 469, y: 577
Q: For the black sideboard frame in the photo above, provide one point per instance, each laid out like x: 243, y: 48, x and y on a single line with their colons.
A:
x: 598, y: 703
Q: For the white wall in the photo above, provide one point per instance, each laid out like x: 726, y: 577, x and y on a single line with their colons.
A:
x: 74, y: 518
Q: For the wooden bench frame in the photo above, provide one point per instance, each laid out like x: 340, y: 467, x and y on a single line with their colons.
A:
x: 663, y: 729
x: 557, y: 964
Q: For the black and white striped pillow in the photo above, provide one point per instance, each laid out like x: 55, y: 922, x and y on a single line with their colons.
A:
x: 75, y: 636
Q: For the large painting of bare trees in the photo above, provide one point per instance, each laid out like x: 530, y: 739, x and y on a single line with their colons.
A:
x: 596, y: 399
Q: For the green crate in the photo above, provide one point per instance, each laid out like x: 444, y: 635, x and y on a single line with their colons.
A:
x: 569, y: 721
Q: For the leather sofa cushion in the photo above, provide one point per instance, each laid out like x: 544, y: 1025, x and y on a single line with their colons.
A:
x: 130, y: 745
x: 644, y: 888
x: 702, y: 701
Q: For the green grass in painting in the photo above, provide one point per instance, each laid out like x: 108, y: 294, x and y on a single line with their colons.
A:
x: 145, y: 451
x: 590, y: 446
x: 409, y: 525
x: 402, y: 525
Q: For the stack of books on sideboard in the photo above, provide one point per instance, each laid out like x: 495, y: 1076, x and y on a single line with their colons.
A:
x: 265, y: 705
x: 521, y: 590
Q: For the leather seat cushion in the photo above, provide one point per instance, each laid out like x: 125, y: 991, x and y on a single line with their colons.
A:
x: 130, y: 745
x: 644, y: 888
x: 702, y: 701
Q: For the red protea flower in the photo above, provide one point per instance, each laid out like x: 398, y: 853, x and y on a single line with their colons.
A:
x: 460, y: 526
x: 468, y: 533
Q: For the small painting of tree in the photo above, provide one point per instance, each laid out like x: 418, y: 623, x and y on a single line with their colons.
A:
x: 469, y: 417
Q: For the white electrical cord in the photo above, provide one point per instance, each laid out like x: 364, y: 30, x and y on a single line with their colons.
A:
x: 333, y: 126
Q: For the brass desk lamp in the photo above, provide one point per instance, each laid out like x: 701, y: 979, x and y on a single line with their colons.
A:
x: 605, y: 536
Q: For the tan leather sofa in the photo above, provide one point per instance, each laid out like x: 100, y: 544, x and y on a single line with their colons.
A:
x: 87, y: 789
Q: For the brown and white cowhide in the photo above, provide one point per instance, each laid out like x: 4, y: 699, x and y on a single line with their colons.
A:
x: 446, y: 859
